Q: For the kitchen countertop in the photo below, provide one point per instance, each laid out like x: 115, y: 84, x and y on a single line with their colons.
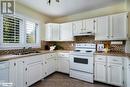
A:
x: 11, y: 56
x: 113, y: 54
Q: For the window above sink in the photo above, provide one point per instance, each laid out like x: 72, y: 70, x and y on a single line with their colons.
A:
x: 17, y: 31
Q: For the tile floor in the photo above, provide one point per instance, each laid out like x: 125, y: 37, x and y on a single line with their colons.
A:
x: 63, y: 80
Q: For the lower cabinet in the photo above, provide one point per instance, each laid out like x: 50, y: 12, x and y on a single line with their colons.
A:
x: 50, y: 66
x: 100, y: 72
x: 63, y: 66
x: 109, y: 70
x: 115, y: 74
x: 63, y: 62
x: 16, y: 73
x: 26, y: 71
x: 33, y: 73
x: 49, y: 63
x: 33, y: 70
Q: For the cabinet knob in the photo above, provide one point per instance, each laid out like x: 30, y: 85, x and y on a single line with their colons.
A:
x: 14, y: 64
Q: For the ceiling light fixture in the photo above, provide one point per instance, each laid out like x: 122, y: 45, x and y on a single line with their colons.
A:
x: 49, y: 1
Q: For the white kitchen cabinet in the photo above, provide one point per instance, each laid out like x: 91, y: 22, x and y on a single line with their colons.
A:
x: 112, y: 27
x: 63, y: 63
x: 48, y: 32
x: 115, y: 70
x: 34, y: 73
x: 100, y: 71
x: 118, y: 29
x: 89, y: 26
x: 102, y: 28
x: 115, y: 74
x: 84, y: 27
x: 33, y: 69
x: 16, y: 73
x: 109, y: 70
x: 50, y: 63
x: 66, y: 32
x: 77, y: 27
x: 52, y: 32
x: 127, y: 72
x: 55, y: 32
x: 13, y: 72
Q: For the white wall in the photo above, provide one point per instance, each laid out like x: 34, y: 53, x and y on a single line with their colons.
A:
x: 121, y: 7
x: 24, y: 10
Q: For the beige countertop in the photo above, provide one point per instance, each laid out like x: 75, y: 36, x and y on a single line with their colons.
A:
x: 113, y: 54
x: 11, y: 56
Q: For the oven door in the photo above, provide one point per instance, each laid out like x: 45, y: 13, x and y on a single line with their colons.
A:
x: 81, y: 63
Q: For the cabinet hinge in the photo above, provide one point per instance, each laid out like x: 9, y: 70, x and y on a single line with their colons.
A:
x: 26, y: 83
x: 14, y: 64
x: 122, y: 68
x: 26, y: 69
x: 94, y: 76
x: 123, y: 82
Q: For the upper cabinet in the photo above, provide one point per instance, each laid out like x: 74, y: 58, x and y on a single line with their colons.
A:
x: 113, y: 27
x: 52, y: 32
x: 66, y: 32
x: 84, y: 27
x: 102, y: 28
x: 118, y: 29
x: 59, y: 32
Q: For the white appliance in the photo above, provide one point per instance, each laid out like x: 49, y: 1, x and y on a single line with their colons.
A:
x: 100, y: 47
x: 81, y: 62
x: 4, y: 72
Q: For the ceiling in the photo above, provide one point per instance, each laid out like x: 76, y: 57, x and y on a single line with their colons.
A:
x: 67, y: 7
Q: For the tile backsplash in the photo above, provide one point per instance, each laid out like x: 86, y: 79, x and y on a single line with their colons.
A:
x: 88, y: 39
x: 69, y: 45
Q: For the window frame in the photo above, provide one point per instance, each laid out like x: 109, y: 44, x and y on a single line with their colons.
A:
x: 37, y: 44
x: 22, y: 42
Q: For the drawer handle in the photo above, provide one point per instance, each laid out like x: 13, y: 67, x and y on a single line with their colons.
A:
x: 115, y: 60
x: 100, y: 58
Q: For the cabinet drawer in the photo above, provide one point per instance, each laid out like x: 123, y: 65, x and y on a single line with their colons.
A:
x: 33, y: 59
x: 50, y: 55
x: 100, y: 58
x: 115, y: 59
x: 63, y: 54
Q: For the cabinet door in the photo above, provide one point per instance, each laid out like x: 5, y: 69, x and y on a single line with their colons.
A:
x: 20, y: 74
x: 102, y: 28
x: 77, y: 27
x: 115, y: 74
x: 55, y: 32
x: 51, y: 67
x: 34, y: 73
x: 48, y: 32
x: 100, y: 71
x: 13, y: 73
x: 89, y: 26
x: 118, y: 26
x: 63, y: 66
x: 66, y: 32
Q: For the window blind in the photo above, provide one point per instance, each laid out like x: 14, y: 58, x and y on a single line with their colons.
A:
x: 11, y: 29
x: 31, y: 32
